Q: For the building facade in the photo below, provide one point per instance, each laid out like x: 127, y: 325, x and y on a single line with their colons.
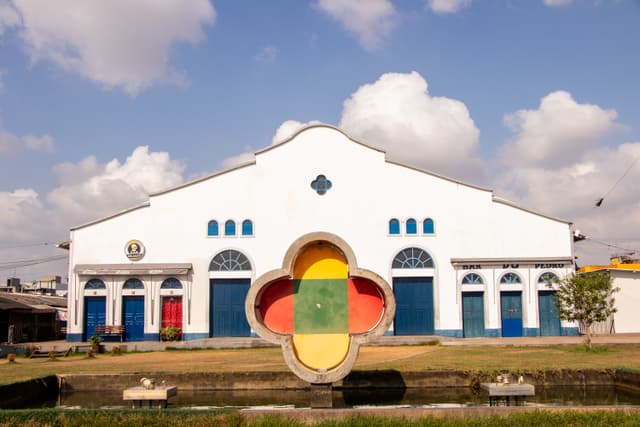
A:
x: 461, y: 261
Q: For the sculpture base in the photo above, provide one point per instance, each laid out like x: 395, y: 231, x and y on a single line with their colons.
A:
x: 321, y: 396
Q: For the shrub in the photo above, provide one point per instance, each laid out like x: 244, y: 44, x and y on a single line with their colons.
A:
x: 116, y: 351
x: 11, y: 357
x: 95, y: 340
x: 170, y: 333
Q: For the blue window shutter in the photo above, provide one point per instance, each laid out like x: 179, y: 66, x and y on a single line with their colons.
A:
x: 411, y: 226
x: 394, y: 226
x: 427, y: 226
x: 247, y: 228
x: 230, y: 228
x: 212, y: 228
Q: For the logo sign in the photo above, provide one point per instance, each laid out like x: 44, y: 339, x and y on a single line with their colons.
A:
x: 134, y: 250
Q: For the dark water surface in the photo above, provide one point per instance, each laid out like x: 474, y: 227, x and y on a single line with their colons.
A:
x: 455, y: 397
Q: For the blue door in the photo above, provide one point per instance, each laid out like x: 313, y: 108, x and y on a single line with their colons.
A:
x: 95, y: 309
x: 414, y: 305
x: 473, y: 314
x: 227, y: 317
x: 549, y: 319
x: 511, y: 309
x: 133, y: 317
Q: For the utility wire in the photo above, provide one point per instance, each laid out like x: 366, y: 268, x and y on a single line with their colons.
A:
x: 10, y: 265
x: 601, y: 199
x: 611, y: 245
x: 28, y: 245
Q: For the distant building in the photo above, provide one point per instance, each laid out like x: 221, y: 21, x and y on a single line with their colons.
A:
x: 461, y: 261
x: 27, y: 317
x: 625, y: 272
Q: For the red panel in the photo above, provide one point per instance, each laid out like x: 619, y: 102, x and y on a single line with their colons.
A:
x: 366, y: 305
x: 276, y: 306
x: 172, y: 312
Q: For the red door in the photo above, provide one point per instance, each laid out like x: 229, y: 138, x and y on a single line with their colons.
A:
x: 172, y: 312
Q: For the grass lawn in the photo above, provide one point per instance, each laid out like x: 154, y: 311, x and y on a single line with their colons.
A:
x: 401, y: 358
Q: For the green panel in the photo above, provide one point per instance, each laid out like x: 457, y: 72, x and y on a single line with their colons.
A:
x: 321, y: 306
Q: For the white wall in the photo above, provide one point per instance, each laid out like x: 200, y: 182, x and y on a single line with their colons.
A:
x: 367, y: 191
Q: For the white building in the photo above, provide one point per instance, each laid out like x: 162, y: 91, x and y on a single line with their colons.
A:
x: 461, y: 261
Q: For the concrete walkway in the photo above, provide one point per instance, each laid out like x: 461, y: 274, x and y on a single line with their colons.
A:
x: 384, y: 341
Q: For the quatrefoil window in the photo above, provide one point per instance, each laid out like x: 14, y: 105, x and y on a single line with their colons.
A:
x: 321, y: 184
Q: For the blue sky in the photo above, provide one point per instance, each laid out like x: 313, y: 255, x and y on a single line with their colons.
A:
x: 203, y: 84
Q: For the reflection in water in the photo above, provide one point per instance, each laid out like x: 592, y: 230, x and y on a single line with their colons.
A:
x: 561, y: 396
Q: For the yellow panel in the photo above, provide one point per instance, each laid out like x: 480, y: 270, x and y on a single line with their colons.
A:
x: 320, y: 262
x: 321, y: 351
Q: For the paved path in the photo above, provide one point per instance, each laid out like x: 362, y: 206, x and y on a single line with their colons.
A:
x: 387, y: 340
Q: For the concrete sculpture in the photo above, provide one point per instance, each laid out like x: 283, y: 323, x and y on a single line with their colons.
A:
x: 320, y: 307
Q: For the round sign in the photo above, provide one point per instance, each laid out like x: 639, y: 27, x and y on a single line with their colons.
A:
x: 134, y: 250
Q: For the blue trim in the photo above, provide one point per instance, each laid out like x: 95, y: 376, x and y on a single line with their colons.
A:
x: 188, y: 336
x: 570, y: 332
x: 388, y: 333
x: 493, y: 333
x: 530, y: 332
x: 152, y: 337
x: 74, y: 337
x: 455, y: 333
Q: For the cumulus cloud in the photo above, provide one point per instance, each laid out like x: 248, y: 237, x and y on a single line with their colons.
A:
x: 113, y: 186
x: 398, y: 114
x: 556, y: 132
x: 447, y: 6
x: 9, y: 17
x: 267, y: 55
x: 371, y: 21
x: 245, y: 157
x: 39, y: 143
x: 288, y: 128
x: 119, y: 43
x: 557, y: 3
x: 557, y: 164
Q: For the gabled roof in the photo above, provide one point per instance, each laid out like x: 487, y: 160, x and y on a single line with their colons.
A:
x: 289, y: 139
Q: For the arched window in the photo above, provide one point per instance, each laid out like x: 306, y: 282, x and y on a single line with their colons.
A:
x: 472, y: 279
x: 212, y: 228
x: 171, y: 283
x: 247, y: 228
x: 548, y: 278
x: 427, y: 226
x: 95, y: 284
x: 412, y: 258
x: 510, y: 278
x: 230, y: 260
x: 133, y: 284
x: 411, y: 226
x: 230, y: 228
x: 394, y: 226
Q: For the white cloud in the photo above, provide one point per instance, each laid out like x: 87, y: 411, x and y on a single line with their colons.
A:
x: 8, y: 141
x: 288, y: 128
x: 245, y: 157
x: 119, y: 43
x: 398, y: 114
x: 114, y: 186
x: 9, y: 17
x: 267, y: 55
x: 35, y: 143
x: 557, y: 132
x: 557, y: 3
x: 557, y: 164
x: 447, y: 6
x: 371, y: 21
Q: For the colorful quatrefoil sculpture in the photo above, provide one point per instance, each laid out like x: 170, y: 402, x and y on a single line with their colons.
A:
x: 320, y: 307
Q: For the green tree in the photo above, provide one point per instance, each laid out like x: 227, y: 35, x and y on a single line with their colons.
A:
x: 586, y: 298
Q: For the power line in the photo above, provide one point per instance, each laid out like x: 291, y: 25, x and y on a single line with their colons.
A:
x: 28, y: 245
x: 10, y: 265
x: 611, y: 245
x: 601, y: 199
